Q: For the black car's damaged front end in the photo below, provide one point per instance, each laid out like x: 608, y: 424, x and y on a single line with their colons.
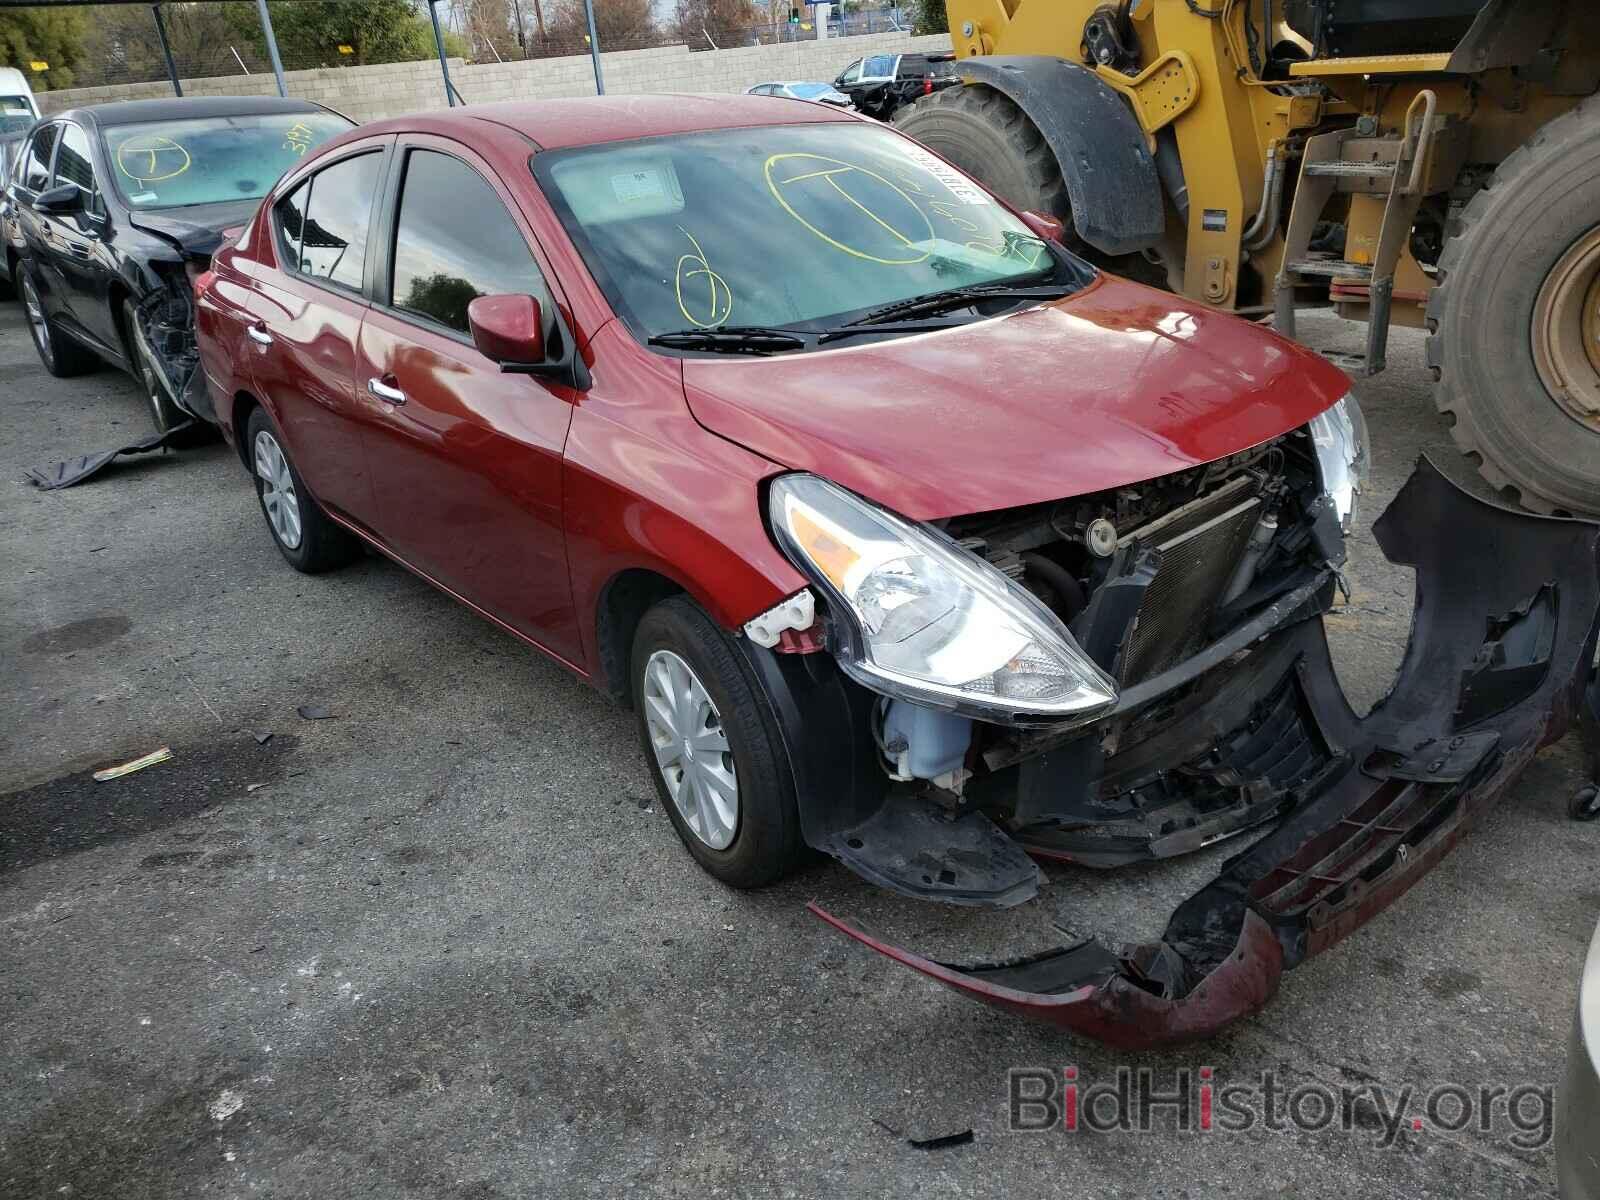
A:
x: 1226, y: 716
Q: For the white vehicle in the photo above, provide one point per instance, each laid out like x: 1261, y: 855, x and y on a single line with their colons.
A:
x: 822, y: 93
x: 18, y: 108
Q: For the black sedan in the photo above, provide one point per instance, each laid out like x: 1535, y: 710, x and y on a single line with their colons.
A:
x: 118, y: 207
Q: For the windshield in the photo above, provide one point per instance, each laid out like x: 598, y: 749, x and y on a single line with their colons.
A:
x: 171, y: 164
x: 16, y: 114
x: 780, y: 226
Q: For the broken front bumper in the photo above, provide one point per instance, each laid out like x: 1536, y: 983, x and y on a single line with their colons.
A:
x: 1502, y: 645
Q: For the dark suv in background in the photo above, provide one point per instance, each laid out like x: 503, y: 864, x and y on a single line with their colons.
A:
x: 880, y: 84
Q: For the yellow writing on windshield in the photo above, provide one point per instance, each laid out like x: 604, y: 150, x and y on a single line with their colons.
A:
x: 151, y: 158
x: 718, y: 298
x: 299, y: 137
x: 896, y: 231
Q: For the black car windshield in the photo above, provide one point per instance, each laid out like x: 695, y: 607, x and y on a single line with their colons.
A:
x: 780, y: 226
x: 15, y: 114
x: 173, y: 164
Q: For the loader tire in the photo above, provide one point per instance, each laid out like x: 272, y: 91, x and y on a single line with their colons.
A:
x: 1515, y: 320
x: 988, y: 136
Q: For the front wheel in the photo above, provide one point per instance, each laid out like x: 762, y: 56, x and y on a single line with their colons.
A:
x: 713, y: 746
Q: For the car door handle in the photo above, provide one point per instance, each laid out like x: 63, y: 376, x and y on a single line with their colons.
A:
x: 386, y: 393
x: 259, y: 335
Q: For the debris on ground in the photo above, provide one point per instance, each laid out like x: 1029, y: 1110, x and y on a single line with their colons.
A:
x: 53, y: 476
x: 926, y: 1136
x: 314, y: 712
x: 262, y: 737
x: 138, y: 764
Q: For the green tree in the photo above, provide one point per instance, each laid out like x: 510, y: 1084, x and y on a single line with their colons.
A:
x: 442, y: 297
x: 310, y: 33
x: 929, y: 16
x: 51, y: 35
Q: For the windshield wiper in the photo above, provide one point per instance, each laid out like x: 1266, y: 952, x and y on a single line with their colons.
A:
x: 856, y: 329
x: 959, y: 298
x: 736, y: 339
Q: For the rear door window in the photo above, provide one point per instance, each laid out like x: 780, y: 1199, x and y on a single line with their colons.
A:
x: 36, y: 170
x: 879, y: 66
x: 331, y: 241
x: 455, y: 241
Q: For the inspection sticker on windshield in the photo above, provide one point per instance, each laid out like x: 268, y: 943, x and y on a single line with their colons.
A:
x: 634, y: 186
x: 955, y: 183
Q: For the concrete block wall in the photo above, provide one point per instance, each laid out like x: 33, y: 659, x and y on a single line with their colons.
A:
x: 369, y: 93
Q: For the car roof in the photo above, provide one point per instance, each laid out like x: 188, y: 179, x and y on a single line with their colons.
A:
x: 129, y: 112
x: 586, y: 120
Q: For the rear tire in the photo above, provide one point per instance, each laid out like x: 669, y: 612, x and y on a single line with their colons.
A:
x: 61, y: 356
x: 677, y: 649
x: 1493, y: 316
x: 307, y: 537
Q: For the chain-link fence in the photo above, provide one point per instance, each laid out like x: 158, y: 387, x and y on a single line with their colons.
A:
x: 128, y: 60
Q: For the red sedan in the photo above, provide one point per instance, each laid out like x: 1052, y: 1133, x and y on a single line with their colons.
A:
x: 909, y: 536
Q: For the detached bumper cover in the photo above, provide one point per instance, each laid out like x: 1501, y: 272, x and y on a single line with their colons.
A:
x: 1502, y: 644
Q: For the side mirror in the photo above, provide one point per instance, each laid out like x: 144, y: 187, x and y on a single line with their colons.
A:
x: 62, y: 199
x: 1046, y: 227
x: 507, y: 329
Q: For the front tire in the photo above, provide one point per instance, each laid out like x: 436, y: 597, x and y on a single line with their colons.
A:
x: 164, y: 413
x: 306, y: 536
x: 711, y: 739
x: 1515, y: 320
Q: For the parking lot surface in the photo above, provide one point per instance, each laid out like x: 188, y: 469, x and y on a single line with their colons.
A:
x: 445, y: 943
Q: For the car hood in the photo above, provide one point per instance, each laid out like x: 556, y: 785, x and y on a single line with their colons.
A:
x: 1112, y: 385
x: 196, y: 229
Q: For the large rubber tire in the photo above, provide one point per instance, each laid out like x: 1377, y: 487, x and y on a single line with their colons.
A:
x: 1538, y: 204
x: 987, y: 135
x: 767, y: 844
x: 58, y: 352
x: 322, y: 544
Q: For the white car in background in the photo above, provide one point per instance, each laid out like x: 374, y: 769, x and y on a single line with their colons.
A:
x: 822, y: 93
x: 18, y: 109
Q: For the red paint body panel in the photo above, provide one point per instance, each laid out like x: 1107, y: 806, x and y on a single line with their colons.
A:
x: 526, y: 499
x: 1115, y: 384
x: 1118, y: 1012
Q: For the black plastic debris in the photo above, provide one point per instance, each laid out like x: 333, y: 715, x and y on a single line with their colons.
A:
x: 55, y: 476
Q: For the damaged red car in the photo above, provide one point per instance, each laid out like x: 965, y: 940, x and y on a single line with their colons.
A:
x: 910, y: 537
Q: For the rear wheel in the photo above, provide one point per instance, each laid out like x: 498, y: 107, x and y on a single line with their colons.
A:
x: 61, y: 356
x: 305, y: 535
x: 1516, y: 320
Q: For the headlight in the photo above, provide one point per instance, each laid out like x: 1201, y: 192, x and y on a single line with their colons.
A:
x: 928, y: 622
x: 1340, y: 435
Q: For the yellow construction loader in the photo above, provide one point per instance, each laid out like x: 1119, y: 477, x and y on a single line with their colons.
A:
x: 1431, y: 163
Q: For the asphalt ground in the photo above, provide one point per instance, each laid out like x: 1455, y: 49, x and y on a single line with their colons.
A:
x: 445, y: 943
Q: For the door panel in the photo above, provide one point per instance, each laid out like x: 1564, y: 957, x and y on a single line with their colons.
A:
x: 466, y: 460
x: 304, y: 321
x: 467, y: 475
x: 79, y: 249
